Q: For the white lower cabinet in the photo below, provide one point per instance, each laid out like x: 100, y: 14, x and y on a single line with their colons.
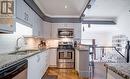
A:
x: 37, y: 65
x: 53, y: 57
x: 82, y: 62
x: 33, y: 67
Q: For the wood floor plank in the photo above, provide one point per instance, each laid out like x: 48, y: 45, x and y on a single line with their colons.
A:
x: 64, y: 73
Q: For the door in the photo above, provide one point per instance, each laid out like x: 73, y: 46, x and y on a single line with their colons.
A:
x: 21, y: 75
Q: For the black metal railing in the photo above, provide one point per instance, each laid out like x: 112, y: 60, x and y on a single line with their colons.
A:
x: 103, y: 50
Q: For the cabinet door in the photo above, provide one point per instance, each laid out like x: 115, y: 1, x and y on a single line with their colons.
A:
x: 46, y: 30
x: 23, y: 11
x: 33, y: 67
x: 40, y: 27
x: 53, y: 57
x: 54, y: 33
x: 42, y: 63
x: 29, y: 13
x: 47, y: 58
x: 19, y: 9
x: 26, y: 12
x: 35, y: 24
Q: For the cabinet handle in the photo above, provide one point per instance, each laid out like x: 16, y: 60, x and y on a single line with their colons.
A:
x: 25, y: 16
x: 38, y: 33
x: 11, y: 25
x: 38, y: 58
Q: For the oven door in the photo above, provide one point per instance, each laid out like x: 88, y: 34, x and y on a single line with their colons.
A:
x: 66, y: 56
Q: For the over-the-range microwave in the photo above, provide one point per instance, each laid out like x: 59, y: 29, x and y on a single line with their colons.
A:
x: 65, y: 33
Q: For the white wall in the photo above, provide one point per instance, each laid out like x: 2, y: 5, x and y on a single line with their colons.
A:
x: 102, y: 33
x: 7, y: 43
x: 124, y: 22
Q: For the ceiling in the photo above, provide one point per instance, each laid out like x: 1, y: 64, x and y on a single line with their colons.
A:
x: 107, y: 8
x: 62, y: 8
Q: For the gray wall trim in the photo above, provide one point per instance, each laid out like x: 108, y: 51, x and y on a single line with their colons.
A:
x: 36, y: 9
x: 99, y: 22
x: 65, y: 20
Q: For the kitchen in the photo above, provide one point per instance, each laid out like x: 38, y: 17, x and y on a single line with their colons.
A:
x: 38, y: 38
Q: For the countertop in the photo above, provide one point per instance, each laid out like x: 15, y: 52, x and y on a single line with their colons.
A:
x: 82, y: 47
x: 122, y: 69
x: 8, y: 59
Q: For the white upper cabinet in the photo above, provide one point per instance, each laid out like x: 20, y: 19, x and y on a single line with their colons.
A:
x: 35, y: 24
x: 18, y: 8
x: 23, y: 11
x: 41, y: 27
x: 54, y: 31
x: 46, y: 30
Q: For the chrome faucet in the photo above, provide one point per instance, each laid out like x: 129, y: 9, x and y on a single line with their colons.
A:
x: 17, y: 44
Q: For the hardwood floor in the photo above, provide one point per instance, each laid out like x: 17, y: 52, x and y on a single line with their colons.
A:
x: 64, y: 73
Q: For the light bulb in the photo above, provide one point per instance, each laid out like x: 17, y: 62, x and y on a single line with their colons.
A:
x: 66, y: 6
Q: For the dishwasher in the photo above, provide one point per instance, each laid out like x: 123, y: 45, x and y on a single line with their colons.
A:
x: 15, y: 71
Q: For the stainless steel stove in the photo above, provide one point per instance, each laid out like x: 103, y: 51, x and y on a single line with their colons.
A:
x: 65, y: 55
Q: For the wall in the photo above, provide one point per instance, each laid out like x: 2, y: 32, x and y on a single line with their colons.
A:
x: 102, y: 33
x: 124, y: 22
x: 7, y: 43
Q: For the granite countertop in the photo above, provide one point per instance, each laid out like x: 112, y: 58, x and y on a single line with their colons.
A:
x: 8, y: 59
x: 83, y: 47
x: 122, y: 69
